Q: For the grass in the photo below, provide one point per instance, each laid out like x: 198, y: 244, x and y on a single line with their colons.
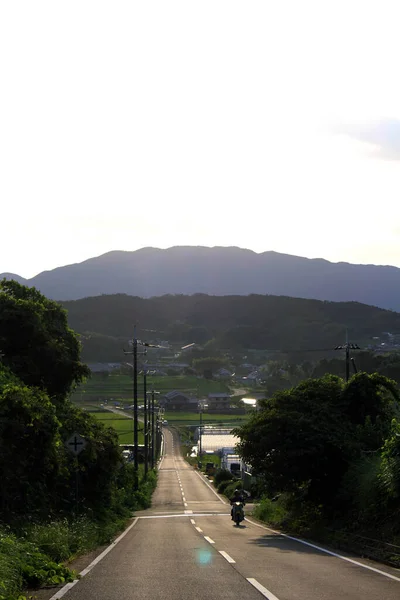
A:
x: 123, y: 425
x: 24, y: 564
x: 38, y: 555
x: 120, y: 387
x: 188, y: 418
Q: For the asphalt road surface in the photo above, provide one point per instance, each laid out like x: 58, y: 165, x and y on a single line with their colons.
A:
x: 187, y: 547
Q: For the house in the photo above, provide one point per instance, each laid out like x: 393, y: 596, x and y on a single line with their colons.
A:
x: 219, y: 401
x: 223, y: 374
x: 176, y: 400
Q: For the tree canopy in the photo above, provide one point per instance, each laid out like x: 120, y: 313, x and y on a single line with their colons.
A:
x: 278, y: 324
x: 40, y: 366
x: 303, y: 439
x: 36, y: 341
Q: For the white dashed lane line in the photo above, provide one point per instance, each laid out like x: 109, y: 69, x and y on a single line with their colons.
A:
x: 227, y: 557
x: 209, y: 540
x: 199, y: 530
x: 262, y: 589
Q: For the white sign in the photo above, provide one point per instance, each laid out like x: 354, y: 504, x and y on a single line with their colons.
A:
x: 75, y: 444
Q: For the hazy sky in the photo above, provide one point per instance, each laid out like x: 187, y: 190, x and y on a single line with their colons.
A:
x: 270, y: 125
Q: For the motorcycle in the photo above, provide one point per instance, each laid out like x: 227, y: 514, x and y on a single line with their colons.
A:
x: 238, y: 512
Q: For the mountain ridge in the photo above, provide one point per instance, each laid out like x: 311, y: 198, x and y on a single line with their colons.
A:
x: 219, y: 270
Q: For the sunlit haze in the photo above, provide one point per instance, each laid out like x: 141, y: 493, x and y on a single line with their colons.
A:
x: 266, y: 125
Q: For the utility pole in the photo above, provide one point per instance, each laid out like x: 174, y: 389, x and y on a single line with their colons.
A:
x: 153, y: 430
x: 201, y: 406
x: 347, y: 347
x: 135, y: 408
x: 135, y: 411
x: 135, y: 343
x: 145, y: 429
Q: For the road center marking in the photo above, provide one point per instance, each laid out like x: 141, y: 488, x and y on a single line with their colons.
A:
x: 199, y: 530
x: 261, y: 589
x: 193, y: 522
x: 209, y: 540
x: 227, y: 557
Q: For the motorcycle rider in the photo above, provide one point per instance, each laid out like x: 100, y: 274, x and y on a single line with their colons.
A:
x: 238, y: 496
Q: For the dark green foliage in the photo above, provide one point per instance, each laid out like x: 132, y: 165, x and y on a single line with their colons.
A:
x: 223, y: 485
x: 29, y: 450
x: 229, y: 490
x: 332, y: 452
x: 23, y: 564
x: 389, y: 477
x: 303, y: 439
x: 62, y: 504
x: 282, y: 325
x: 37, y: 344
x: 222, y: 475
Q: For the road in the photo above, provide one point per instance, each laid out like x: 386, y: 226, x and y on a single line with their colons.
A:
x: 186, y: 546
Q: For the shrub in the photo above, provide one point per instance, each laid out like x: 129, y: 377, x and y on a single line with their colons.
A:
x: 23, y: 565
x: 232, y: 486
x: 222, y: 475
x: 270, y: 512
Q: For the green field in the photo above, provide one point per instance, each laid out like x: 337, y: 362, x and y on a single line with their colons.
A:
x: 123, y: 426
x: 188, y: 418
x: 120, y: 387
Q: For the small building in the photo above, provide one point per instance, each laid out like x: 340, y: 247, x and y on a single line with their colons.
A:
x: 219, y: 401
x: 223, y: 374
x: 176, y: 400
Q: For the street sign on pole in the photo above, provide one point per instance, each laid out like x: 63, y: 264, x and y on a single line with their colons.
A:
x: 75, y: 444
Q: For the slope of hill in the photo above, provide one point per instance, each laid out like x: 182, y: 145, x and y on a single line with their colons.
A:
x: 272, y: 323
x: 221, y: 271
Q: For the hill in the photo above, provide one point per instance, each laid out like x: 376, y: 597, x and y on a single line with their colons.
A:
x: 260, y: 322
x: 220, y: 271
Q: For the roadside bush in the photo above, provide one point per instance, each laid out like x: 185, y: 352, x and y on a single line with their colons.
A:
x: 231, y: 487
x: 23, y: 565
x: 222, y: 486
x: 222, y: 475
x: 270, y: 512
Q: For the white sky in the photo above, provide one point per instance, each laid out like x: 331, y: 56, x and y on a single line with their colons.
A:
x: 160, y: 123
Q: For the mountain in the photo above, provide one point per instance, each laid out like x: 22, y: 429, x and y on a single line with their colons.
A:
x: 275, y: 324
x: 220, y: 271
x: 21, y: 280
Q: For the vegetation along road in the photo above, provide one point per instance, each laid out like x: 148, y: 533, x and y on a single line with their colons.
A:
x: 187, y: 546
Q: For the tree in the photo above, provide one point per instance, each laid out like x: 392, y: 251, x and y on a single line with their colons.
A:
x: 294, y: 441
x: 29, y: 444
x: 303, y: 439
x: 209, y: 364
x: 37, y: 343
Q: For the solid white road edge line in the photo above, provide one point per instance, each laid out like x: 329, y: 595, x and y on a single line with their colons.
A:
x: 227, y: 557
x: 261, y: 589
x: 208, y: 485
x: 209, y: 540
x: 68, y: 586
x: 350, y: 560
